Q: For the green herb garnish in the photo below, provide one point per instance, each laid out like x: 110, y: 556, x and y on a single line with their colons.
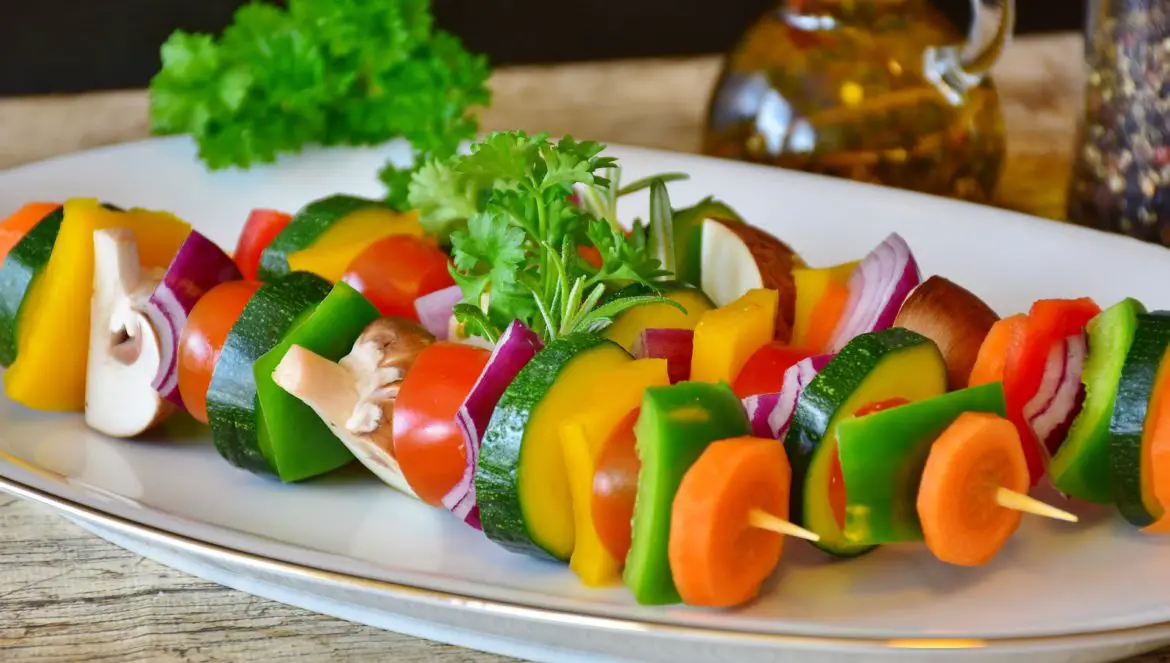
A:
x: 327, y: 72
x: 516, y: 236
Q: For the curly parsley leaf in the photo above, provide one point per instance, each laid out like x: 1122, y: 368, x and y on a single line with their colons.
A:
x: 517, y: 237
x: 327, y: 72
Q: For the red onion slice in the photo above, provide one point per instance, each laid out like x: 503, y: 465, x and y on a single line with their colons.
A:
x: 516, y: 348
x: 434, y: 310
x: 1049, y: 382
x: 1052, y: 410
x: 758, y: 408
x: 770, y: 414
x: 199, y: 266
x: 877, y: 289
x: 673, y: 345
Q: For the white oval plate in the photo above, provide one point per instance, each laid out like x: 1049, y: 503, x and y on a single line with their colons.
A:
x: 1098, y: 578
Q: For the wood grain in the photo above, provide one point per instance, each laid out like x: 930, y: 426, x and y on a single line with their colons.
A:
x: 66, y: 595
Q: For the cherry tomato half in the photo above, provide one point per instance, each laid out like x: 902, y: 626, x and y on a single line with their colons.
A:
x: 203, y: 337
x: 262, y: 227
x: 764, y: 371
x: 615, y: 485
x: 395, y: 271
x: 429, y: 446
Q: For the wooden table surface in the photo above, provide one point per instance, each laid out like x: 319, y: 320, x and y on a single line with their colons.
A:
x: 66, y: 595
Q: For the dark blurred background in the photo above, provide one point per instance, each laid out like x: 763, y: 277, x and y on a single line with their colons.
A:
x: 51, y: 46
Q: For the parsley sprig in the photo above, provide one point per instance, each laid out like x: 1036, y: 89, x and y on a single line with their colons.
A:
x: 328, y: 72
x: 517, y: 236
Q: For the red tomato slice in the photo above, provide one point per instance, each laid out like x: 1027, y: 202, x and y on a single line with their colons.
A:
x: 615, y: 485
x: 201, y: 340
x: 395, y: 271
x: 764, y: 371
x: 838, y: 495
x: 429, y: 446
x: 1049, y: 321
x: 262, y: 227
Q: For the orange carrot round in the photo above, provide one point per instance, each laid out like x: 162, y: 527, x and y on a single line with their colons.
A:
x: 1156, y: 438
x: 717, y: 558
x: 15, y: 227
x: 993, y: 352
x: 962, y: 522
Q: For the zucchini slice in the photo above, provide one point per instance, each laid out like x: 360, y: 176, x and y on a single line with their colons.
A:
x: 521, y: 483
x: 232, y: 402
x: 306, y: 227
x: 18, y: 273
x: 872, y: 368
x: 1144, y: 374
x: 298, y: 444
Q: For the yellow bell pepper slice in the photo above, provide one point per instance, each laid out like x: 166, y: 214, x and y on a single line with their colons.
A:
x: 583, y: 437
x: 726, y: 337
x: 629, y: 325
x: 543, y: 482
x: 811, y: 285
x: 337, y: 247
x: 53, y: 341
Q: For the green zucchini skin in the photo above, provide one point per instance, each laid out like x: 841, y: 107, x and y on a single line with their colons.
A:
x: 232, y: 402
x: 819, y: 405
x: 1081, y: 467
x: 305, y: 228
x: 497, y: 472
x: 24, y: 263
x: 1139, y: 377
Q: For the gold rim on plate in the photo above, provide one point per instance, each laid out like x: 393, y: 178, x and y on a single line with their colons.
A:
x: 519, y: 611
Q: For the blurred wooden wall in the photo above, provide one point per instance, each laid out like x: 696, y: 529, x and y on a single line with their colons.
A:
x: 73, y: 45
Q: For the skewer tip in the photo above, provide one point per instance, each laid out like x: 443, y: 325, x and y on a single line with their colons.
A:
x: 1010, y: 499
x: 764, y: 520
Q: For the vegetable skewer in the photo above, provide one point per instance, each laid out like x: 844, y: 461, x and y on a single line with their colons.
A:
x: 725, y: 538
x: 644, y: 469
x: 971, y: 496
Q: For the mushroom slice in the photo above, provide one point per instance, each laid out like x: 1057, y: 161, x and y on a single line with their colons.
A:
x: 332, y: 392
x: 124, y: 351
x: 355, y: 396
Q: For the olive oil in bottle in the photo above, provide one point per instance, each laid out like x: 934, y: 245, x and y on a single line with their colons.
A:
x: 879, y: 91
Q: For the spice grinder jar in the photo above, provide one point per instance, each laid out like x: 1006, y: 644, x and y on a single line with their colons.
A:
x: 1121, y: 164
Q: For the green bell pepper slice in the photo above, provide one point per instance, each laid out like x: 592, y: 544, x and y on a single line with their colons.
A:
x: 674, y: 427
x: 1080, y: 467
x: 295, y: 441
x: 883, y: 456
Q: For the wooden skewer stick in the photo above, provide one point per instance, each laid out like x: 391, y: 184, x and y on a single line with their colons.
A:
x: 1010, y: 499
x: 764, y: 520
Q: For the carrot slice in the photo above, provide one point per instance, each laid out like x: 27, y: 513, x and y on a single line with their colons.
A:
x: 717, y: 558
x: 826, y: 314
x: 1157, y: 444
x: 992, y: 357
x: 973, y: 458
x: 15, y: 227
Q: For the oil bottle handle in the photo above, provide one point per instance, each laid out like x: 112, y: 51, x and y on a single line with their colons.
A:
x: 957, y: 69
